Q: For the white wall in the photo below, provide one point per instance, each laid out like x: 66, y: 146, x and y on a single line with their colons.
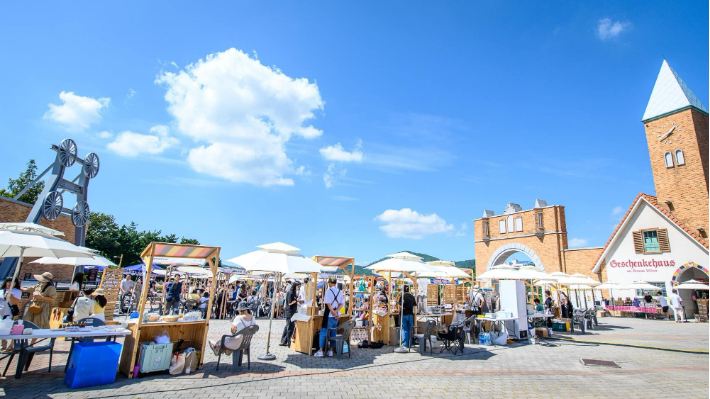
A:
x: 683, y: 250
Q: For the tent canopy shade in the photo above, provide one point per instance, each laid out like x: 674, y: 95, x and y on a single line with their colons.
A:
x: 168, y: 250
x: 95, y: 260
x: 31, y: 228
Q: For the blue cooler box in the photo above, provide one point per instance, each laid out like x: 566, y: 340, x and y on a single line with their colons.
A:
x: 93, y: 363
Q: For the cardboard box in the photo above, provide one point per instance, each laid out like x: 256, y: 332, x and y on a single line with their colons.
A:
x: 542, y: 332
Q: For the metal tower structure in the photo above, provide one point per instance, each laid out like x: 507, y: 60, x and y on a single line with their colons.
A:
x: 50, y: 203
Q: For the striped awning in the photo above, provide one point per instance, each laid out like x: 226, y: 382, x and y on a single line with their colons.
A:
x: 333, y: 260
x: 180, y: 251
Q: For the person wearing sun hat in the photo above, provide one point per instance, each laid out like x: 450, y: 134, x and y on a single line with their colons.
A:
x: 241, y: 321
x: 100, y: 302
x: 43, y: 295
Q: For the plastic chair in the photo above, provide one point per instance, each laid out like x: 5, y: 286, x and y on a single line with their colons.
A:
x: 429, y: 327
x: 469, y: 327
x: 341, y: 339
x: 238, y: 353
x: 26, y: 352
x: 579, y: 318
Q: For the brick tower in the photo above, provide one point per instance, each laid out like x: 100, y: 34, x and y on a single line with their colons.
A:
x: 676, y: 125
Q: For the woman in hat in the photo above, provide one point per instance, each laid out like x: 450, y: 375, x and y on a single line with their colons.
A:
x: 100, y: 302
x: 241, y: 321
x: 43, y: 295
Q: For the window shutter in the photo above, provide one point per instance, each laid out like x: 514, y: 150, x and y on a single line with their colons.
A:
x: 638, y: 242
x: 663, y: 240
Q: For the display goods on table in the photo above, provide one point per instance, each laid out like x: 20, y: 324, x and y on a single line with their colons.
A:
x: 110, y: 282
x: 156, y: 334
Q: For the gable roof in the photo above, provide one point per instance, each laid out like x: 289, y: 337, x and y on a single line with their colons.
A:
x: 670, y: 94
x: 652, y: 201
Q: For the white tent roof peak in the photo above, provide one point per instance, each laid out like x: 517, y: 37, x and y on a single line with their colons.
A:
x: 279, y: 246
x: 670, y: 94
x: 404, y: 255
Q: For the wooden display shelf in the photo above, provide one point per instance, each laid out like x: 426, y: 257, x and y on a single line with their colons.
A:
x: 308, y: 333
x: 193, y: 333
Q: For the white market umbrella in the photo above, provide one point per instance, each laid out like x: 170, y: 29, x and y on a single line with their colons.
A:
x: 692, y: 285
x: 609, y: 286
x: 280, y: 259
x: 541, y: 283
x: 641, y: 285
x: 94, y: 260
x: 195, y: 271
x: 500, y: 274
x: 30, y: 228
x: 403, y: 262
x: 16, y: 244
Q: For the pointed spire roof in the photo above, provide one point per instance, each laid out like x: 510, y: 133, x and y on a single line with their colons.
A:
x: 670, y: 94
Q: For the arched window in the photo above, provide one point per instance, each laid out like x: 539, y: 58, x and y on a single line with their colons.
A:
x: 679, y: 157
x: 669, y: 160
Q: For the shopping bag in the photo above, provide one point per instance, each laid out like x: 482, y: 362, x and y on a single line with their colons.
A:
x: 177, y: 364
x: 190, y: 362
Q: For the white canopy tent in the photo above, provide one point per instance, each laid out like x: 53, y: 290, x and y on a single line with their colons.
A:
x: 278, y: 258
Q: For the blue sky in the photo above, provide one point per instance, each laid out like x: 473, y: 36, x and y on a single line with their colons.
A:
x: 355, y: 129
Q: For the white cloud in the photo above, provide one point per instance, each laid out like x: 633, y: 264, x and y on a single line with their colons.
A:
x: 332, y: 175
x: 606, y: 29
x: 618, y: 210
x: 104, y: 135
x: 130, y: 144
x: 462, y: 230
x: 76, y: 113
x: 244, y: 113
x: 130, y: 94
x: 406, y: 223
x: 577, y: 242
x: 337, y: 153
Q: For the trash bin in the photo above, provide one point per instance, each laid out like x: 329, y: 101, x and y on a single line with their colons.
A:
x: 93, y: 363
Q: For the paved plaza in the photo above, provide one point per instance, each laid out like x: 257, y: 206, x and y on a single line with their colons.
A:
x: 646, y: 350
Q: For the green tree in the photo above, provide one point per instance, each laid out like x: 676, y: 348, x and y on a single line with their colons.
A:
x: 189, y: 241
x: 14, y: 186
x: 102, y: 235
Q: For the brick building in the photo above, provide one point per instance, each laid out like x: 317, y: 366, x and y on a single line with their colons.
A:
x: 676, y: 125
x: 16, y: 211
x: 540, y: 233
x: 663, y: 239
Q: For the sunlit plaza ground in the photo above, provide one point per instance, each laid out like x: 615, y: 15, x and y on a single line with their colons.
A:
x: 656, y: 359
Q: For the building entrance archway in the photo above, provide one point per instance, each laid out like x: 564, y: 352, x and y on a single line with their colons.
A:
x: 505, y: 251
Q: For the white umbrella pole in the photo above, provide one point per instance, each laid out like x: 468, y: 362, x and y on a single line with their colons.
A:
x: 401, y: 349
x: 17, y: 267
x: 268, y: 355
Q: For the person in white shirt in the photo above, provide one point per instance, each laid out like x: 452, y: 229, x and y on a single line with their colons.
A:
x: 664, y: 303
x: 243, y: 320
x: 677, y: 305
x: 83, y: 306
x: 126, y: 288
x: 9, y: 298
x: 333, y: 301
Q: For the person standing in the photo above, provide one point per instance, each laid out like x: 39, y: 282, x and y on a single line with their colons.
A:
x: 333, y: 300
x: 100, y: 301
x: 549, y: 304
x: 677, y: 305
x: 126, y: 288
x: 664, y: 303
x: 408, y: 305
x: 292, y: 302
x: 172, y: 295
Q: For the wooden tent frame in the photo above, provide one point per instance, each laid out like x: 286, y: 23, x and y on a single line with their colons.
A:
x: 305, y: 330
x: 193, y: 332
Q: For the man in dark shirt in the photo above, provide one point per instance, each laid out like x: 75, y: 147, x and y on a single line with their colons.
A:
x: 408, y: 305
x: 172, y: 295
x: 291, y: 305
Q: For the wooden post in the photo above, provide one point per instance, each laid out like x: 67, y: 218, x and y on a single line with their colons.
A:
x: 141, y: 307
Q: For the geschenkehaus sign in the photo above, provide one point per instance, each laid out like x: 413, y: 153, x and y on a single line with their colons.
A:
x: 642, y: 265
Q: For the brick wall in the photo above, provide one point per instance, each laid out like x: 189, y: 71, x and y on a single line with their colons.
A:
x: 686, y: 186
x: 15, y: 211
x: 546, y: 246
x: 581, y: 260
